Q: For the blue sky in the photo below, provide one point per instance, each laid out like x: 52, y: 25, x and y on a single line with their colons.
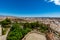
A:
x: 30, y: 8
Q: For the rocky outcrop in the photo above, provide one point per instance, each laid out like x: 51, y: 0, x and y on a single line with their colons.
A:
x: 50, y: 36
x: 34, y: 36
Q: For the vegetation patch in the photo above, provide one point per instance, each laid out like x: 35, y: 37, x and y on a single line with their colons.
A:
x: 5, y: 24
x: 17, y: 31
x: 4, y: 30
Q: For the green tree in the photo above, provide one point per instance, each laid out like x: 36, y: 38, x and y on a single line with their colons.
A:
x: 15, y: 33
x: 43, y: 28
x: 6, y: 22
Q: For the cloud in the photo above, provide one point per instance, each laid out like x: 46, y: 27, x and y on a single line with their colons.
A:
x: 56, y: 2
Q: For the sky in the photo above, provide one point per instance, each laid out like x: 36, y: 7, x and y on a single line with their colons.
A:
x: 30, y: 8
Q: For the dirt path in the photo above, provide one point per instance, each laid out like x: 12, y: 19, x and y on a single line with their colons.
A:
x: 3, y: 37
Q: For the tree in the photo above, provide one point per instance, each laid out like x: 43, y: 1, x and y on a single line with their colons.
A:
x: 15, y: 33
x: 43, y: 28
x: 5, y: 22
